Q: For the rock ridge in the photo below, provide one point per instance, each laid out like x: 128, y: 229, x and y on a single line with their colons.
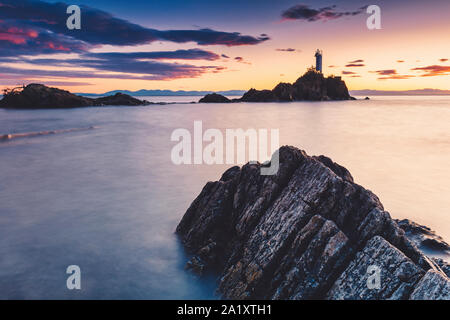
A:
x: 307, y: 232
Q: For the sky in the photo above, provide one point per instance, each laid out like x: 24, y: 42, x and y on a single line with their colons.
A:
x: 223, y: 45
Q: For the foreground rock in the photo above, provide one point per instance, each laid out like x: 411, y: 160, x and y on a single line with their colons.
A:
x: 312, y: 86
x: 38, y: 96
x: 308, y: 232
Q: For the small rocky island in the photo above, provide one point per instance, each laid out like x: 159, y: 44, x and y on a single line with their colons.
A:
x: 38, y: 96
x: 308, y: 232
x: 312, y: 86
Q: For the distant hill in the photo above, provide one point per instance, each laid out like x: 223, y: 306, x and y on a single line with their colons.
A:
x: 39, y: 96
x: 144, y: 92
x: 417, y: 92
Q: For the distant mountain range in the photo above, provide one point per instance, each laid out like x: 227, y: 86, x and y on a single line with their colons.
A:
x: 364, y: 92
x: 417, y: 92
x: 144, y: 92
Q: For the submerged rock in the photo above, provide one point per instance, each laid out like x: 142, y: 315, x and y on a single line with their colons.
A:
x: 38, y: 96
x: 307, y: 232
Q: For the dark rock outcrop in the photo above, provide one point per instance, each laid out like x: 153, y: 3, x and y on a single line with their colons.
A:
x: 254, y: 95
x: 312, y: 86
x: 424, y: 238
x: 38, y: 96
x: 119, y: 99
x: 214, y: 98
x: 307, y: 232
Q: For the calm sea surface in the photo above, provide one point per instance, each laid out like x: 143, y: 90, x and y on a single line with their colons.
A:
x: 108, y: 199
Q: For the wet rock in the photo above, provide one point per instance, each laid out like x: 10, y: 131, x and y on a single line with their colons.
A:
x: 306, y: 232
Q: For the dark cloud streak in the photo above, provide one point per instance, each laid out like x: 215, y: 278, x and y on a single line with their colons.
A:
x: 304, y: 12
x: 99, y: 27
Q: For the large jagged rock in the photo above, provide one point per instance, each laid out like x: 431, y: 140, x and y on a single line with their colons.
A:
x: 307, y: 232
x: 312, y: 86
x: 38, y: 96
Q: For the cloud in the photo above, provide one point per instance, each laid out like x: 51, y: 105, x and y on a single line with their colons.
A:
x: 19, y: 39
x: 225, y: 56
x: 332, y: 66
x: 443, y: 60
x: 434, y: 70
x: 304, y: 12
x: 210, y: 37
x: 113, y: 65
x: 355, y: 63
x: 60, y: 83
x: 348, y: 72
x: 396, y: 77
x: 241, y: 60
x: 391, y: 74
x: 19, y: 81
x: 349, y: 65
x: 386, y: 72
x: 29, y: 28
x: 127, y: 65
x: 400, y: 61
x: 288, y: 50
x: 190, y: 54
x: 100, y: 28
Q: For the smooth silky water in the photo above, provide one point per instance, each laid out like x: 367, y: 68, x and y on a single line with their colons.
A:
x: 109, y: 198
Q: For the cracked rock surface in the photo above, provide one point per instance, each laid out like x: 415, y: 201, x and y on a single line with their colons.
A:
x: 307, y: 232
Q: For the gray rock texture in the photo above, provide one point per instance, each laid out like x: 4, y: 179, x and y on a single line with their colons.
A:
x: 433, y: 286
x: 307, y: 232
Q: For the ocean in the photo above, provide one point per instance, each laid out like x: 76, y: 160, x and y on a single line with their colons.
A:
x: 99, y: 189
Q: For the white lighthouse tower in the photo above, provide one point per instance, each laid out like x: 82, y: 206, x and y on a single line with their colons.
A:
x: 318, y: 56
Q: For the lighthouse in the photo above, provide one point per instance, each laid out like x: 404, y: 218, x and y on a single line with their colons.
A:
x: 318, y: 56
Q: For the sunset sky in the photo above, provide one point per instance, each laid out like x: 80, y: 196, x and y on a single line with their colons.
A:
x: 223, y: 45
